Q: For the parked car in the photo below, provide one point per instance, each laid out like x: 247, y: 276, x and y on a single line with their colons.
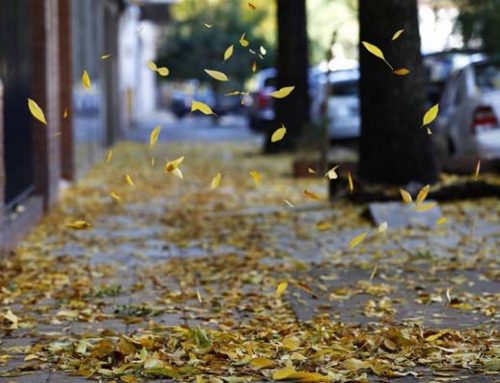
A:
x: 261, y: 105
x: 469, y: 110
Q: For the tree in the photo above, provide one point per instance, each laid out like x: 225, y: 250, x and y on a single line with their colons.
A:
x: 292, y: 64
x: 393, y: 149
x: 478, y: 21
x: 201, y: 31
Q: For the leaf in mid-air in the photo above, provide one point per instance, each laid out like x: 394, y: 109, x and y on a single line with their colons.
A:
x: 36, y: 111
x: 283, y: 92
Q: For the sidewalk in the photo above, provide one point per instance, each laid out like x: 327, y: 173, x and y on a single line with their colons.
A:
x: 178, y: 282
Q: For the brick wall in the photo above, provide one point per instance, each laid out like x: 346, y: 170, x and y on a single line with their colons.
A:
x: 46, y: 139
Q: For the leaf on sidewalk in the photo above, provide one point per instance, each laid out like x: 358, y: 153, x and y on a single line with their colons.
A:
x: 79, y: 225
x: 281, y: 289
x: 357, y: 240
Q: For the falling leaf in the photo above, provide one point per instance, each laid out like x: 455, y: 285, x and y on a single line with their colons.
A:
x: 356, y: 240
x: 312, y: 195
x: 219, y: 76
x: 283, y: 92
x: 289, y: 203
x: 311, y: 171
x: 402, y: 71
x: 430, y: 115
x: 163, y: 71
x: 216, y: 181
x: 86, y: 80
x: 129, y: 180
x: 109, y: 156
x: 105, y: 57
x: 153, y: 137
x: 425, y: 207
x: 202, y: 107
x: 278, y: 134
x: 441, y: 220
x: 36, y: 111
x: 243, y: 41
x: 477, y: 170
x: 262, y: 50
x: 208, y: 25
x: 350, y: 182
x: 252, y: 6
x: 256, y: 177
x: 228, y: 52
x: 170, y: 166
x: 12, y: 318
x: 66, y: 113
x: 151, y: 65
x: 79, y: 225
x: 254, y: 67
x: 374, y: 50
x: 382, y: 228
x: 332, y: 174
x: 422, y: 194
x: 178, y: 173
x: 397, y: 34
x: 115, y: 197
x: 374, y: 271
x: 281, y: 289
x: 262, y: 363
x: 153, y: 162
x: 405, y: 196
x: 198, y: 295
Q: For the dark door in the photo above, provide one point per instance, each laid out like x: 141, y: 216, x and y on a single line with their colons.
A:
x: 15, y: 72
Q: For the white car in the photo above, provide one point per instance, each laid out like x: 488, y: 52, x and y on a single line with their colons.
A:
x: 468, y: 122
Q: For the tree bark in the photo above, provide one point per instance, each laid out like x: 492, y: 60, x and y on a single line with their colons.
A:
x: 292, y: 64
x: 393, y: 149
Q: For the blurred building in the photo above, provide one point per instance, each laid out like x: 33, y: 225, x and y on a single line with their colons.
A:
x: 45, y: 45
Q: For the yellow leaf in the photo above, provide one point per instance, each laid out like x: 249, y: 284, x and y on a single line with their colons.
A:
x: 281, y: 289
x: 283, y: 92
x: 243, y: 41
x: 163, y: 71
x: 402, y: 71
x: 79, y: 225
x: 109, y: 156
x: 11, y: 317
x: 219, y: 76
x: 262, y: 50
x: 397, y: 34
x: 178, y: 173
x: 153, y: 137
x: 202, y: 107
x: 283, y: 373
x: 442, y: 220
x: 115, y: 197
x: 36, y: 111
x: 216, y: 181
x: 291, y: 343
x: 351, y: 182
x: 254, y: 67
x: 425, y: 207
x: 477, y: 170
x: 406, y: 196
x: 430, y: 115
x: 332, y: 174
x: 256, y: 177
x: 311, y: 171
x: 170, y: 166
x: 105, y: 57
x: 374, y: 50
x: 312, y: 195
x: 304, y: 376
x: 252, y: 6
x: 262, y: 363
x: 208, y: 25
x: 228, y: 52
x: 356, y: 240
x: 151, y: 65
x: 289, y: 203
x: 354, y: 365
x: 66, y: 113
x: 86, y: 80
x: 422, y: 194
x: 382, y: 227
x: 324, y: 226
x: 278, y: 134
x: 129, y: 180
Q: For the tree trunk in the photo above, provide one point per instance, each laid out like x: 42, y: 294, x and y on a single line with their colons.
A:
x: 292, y: 64
x: 394, y: 149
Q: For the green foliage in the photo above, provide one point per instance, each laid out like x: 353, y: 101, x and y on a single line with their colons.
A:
x: 189, y: 46
x: 479, y: 22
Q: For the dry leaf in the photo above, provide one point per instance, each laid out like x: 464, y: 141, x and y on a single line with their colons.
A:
x: 278, y: 134
x: 36, y: 111
x: 283, y: 92
x: 441, y: 221
x: 324, y: 226
x: 406, y: 196
x: 283, y: 373
x: 151, y: 65
x: 86, y: 80
x: 105, y: 57
x: 228, y: 52
x: 281, y: 289
x: 401, y: 71
x: 477, y: 170
x: 289, y: 203
x: 153, y: 137
x: 202, y: 107
x: 382, y: 228
x: 219, y: 76
x: 79, y: 225
x: 397, y: 34
x: 332, y: 174
x: 163, y: 71
x: 374, y: 50
x: 312, y: 195
x: 422, y: 194
x: 66, y: 113
x: 350, y: 182
x: 256, y: 177
x: 129, y: 180
x: 356, y: 240
x: 170, y: 166
x: 216, y: 181
x: 425, y: 207
x: 430, y: 115
x: 262, y: 363
x: 243, y: 41
x: 254, y: 67
x: 115, y: 197
x: 109, y: 156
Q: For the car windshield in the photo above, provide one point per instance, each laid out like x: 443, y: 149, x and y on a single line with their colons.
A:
x: 345, y: 88
x: 488, y: 76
